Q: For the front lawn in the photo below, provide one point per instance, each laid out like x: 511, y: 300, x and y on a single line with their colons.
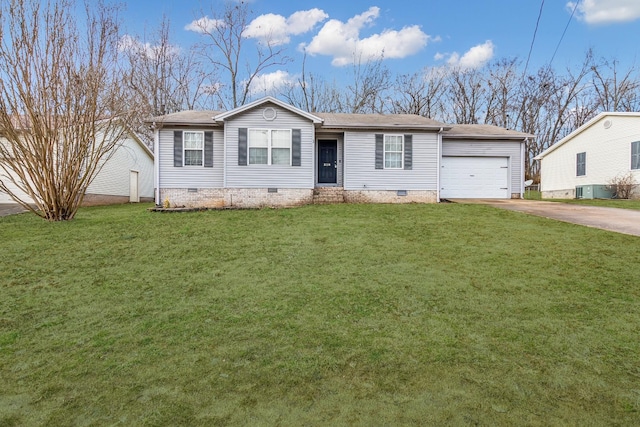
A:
x: 447, y: 314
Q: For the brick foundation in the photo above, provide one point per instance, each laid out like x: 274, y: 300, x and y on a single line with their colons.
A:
x: 383, y: 196
x: 235, y: 197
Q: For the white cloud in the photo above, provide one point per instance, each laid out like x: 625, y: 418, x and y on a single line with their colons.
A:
x: 276, y: 29
x: 269, y: 83
x: 204, y: 25
x: 475, y: 57
x: 129, y: 43
x: 606, y: 11
x: 342, y: 40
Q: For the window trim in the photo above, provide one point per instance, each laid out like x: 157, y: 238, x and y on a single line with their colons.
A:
x: 583, y: 163
x: 270, y: 146
x: 184, y: 148
x: 637, y: 156
x: 384, y: 151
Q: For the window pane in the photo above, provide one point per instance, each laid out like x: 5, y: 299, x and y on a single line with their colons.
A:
x: 258, y: 138
x: 635, y: 155
x: 258, y: 156
x: 393, y: 160
x: 280, y: 156
x: 581, y: 161
x: 193, y: 157
x: 193, y: 140
x: 281, y: 138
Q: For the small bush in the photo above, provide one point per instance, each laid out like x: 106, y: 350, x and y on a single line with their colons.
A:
x: 622, y: 185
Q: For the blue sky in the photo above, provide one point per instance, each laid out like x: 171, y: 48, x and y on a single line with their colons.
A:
x: 419, y: 33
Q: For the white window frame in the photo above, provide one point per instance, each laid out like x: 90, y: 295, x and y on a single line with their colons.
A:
x: 384, y: 150
x: 185, y: 149
x: 269, y: 145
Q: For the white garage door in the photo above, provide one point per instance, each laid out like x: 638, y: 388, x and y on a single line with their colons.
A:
x: 474, y: 177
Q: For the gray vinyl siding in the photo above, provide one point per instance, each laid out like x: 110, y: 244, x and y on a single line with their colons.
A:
x: 275, y: 176
x: 190, y: 176
x: 360, y: 161
x: 509, y: 149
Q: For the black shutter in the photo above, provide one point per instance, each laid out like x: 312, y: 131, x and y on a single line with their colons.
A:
x: 408, y: 152
x: 177, y: 148
x: 379, y: 151
x: 296, y: 142
x: 208, y: 149
x: 242, y: 147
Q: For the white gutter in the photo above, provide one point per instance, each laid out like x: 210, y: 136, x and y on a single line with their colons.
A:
x: 438, y: 164
x: 156, y: 162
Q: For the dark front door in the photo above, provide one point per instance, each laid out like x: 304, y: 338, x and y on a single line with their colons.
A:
x: 327, y: 161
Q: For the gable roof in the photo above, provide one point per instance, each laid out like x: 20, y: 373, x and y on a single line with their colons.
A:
x: 267, y: 99
x: 483, y: 132
x: 378, y: 121
x: 583, y: 128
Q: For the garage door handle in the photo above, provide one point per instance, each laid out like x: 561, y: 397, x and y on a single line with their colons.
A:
x: 503, y: 188
x: 471, y: 175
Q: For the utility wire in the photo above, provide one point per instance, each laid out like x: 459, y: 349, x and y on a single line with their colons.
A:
x: 575, y: 6
x: 526, y: 65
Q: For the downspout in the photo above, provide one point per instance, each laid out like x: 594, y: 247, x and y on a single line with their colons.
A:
x: 438, y: 164
x: 524, y: 166
x: 156, y: 162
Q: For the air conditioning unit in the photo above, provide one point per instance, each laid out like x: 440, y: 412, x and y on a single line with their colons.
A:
x: 594, y: 191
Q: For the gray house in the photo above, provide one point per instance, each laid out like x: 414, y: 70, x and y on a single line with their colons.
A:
x: 269, y: 153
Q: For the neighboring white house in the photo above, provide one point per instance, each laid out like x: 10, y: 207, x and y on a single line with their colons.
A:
x: 269, y: 153
x: 587, y: 159
x: 126, y: 177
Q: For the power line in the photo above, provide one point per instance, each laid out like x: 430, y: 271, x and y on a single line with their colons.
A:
x: 575, y: 6
x: 526, y: 65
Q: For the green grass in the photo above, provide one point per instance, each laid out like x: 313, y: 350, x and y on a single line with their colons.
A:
x: 532, y: 195
x: 607, y: 203
x: 444, y: 314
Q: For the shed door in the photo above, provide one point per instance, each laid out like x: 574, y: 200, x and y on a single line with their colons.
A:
x: 474, y: 177
x: 134, y: 197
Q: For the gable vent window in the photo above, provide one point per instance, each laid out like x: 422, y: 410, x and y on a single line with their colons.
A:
x: 581, y: 164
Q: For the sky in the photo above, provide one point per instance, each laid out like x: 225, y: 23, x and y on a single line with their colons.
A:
x: 415, y: 34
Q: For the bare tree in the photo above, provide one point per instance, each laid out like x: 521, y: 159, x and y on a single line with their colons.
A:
x: 368, y: 88
x: 467, y: 92
x: 502, y: 87
x: 421, y: 93
x: 163, y: 77
x: 223, y: 48
x: 311, y: 92
x: 61, y: 101
x: 615, y: 90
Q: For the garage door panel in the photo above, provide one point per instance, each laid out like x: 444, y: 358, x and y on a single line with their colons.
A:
x: 474, y: 177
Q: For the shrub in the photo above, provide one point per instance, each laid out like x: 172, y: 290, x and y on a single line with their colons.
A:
x: 622, y: 185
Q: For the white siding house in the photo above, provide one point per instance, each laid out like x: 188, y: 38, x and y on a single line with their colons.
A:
x: 269, y: 153
x: 127, y: 176
x: 606, y: 147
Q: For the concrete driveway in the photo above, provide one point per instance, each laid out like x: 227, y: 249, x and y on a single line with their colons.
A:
x: 625, y: 221
x: 10, y: 209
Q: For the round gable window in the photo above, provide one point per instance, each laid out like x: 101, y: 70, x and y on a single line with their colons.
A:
x: 269, y: 113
